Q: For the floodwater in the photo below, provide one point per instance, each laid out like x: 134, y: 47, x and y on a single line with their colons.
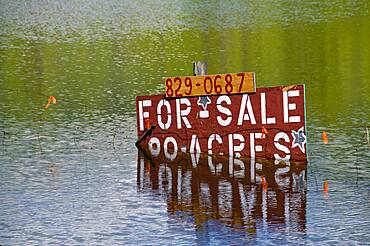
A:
x: 71, y: 174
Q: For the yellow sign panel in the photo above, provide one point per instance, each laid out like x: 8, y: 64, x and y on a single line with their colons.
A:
x: 231, y: 83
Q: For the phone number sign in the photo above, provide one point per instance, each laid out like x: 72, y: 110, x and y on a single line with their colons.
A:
x: 217, y: 84
x: 269, y: 123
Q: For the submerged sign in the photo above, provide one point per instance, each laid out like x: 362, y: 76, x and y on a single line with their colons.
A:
x: 269, y: 123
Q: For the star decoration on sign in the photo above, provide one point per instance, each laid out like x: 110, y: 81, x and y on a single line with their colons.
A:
x: 204, y: 101
x: 299, y: 139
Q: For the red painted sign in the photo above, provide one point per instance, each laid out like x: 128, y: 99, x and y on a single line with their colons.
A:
x: 269, y: 123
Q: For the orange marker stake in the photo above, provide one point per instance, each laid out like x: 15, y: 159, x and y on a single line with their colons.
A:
x: 47, y: 104
x: 53, y: 99
x: 50, y: 99
x: 147, y: 124
x: 264, y: 132
x: 326, y: 186
x: 325, y: 137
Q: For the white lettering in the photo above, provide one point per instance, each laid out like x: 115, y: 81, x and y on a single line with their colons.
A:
x: 182, y: 113
x: 224, y: 110
x: 165, y: 148
x: 255, y: 148
x: 268, y: 120
x: 290, y: 106
x: 246, y: 116
x: 194, y: 144
x: 282, y: 135
x: 159, y: 113
x: 194, y: 150
x: 154, y: 142
x: 142, y: 114
x: 210, y: 141
x: 235, y: 149
x: 195, y: 159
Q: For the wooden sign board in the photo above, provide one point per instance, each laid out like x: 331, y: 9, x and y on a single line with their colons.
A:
x: 217, y: 84
x: 269, y: 123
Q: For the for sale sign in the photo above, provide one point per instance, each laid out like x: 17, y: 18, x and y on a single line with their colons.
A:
x: 269, y: 123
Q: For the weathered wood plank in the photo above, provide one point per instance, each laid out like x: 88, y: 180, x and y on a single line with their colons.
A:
x: 205, y: 85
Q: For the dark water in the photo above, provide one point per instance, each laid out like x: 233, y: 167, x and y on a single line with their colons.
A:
x: 72, y: 175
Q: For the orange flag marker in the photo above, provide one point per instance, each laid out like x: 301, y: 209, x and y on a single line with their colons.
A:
x: 326, y: 186
x: 264, y: 132
x: 147, y: 124
x: 51, y: 99
x: 325, y: 137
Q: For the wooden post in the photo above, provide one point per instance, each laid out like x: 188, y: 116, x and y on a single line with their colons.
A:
x: 200, y: 68
x: 144, y: 135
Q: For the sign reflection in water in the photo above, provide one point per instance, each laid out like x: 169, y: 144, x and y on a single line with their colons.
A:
x: 240, y: 193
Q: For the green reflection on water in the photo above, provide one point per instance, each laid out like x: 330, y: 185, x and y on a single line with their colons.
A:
x: 93, y: 66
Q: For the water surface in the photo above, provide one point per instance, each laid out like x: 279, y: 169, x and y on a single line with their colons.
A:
x: 71, y: 174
